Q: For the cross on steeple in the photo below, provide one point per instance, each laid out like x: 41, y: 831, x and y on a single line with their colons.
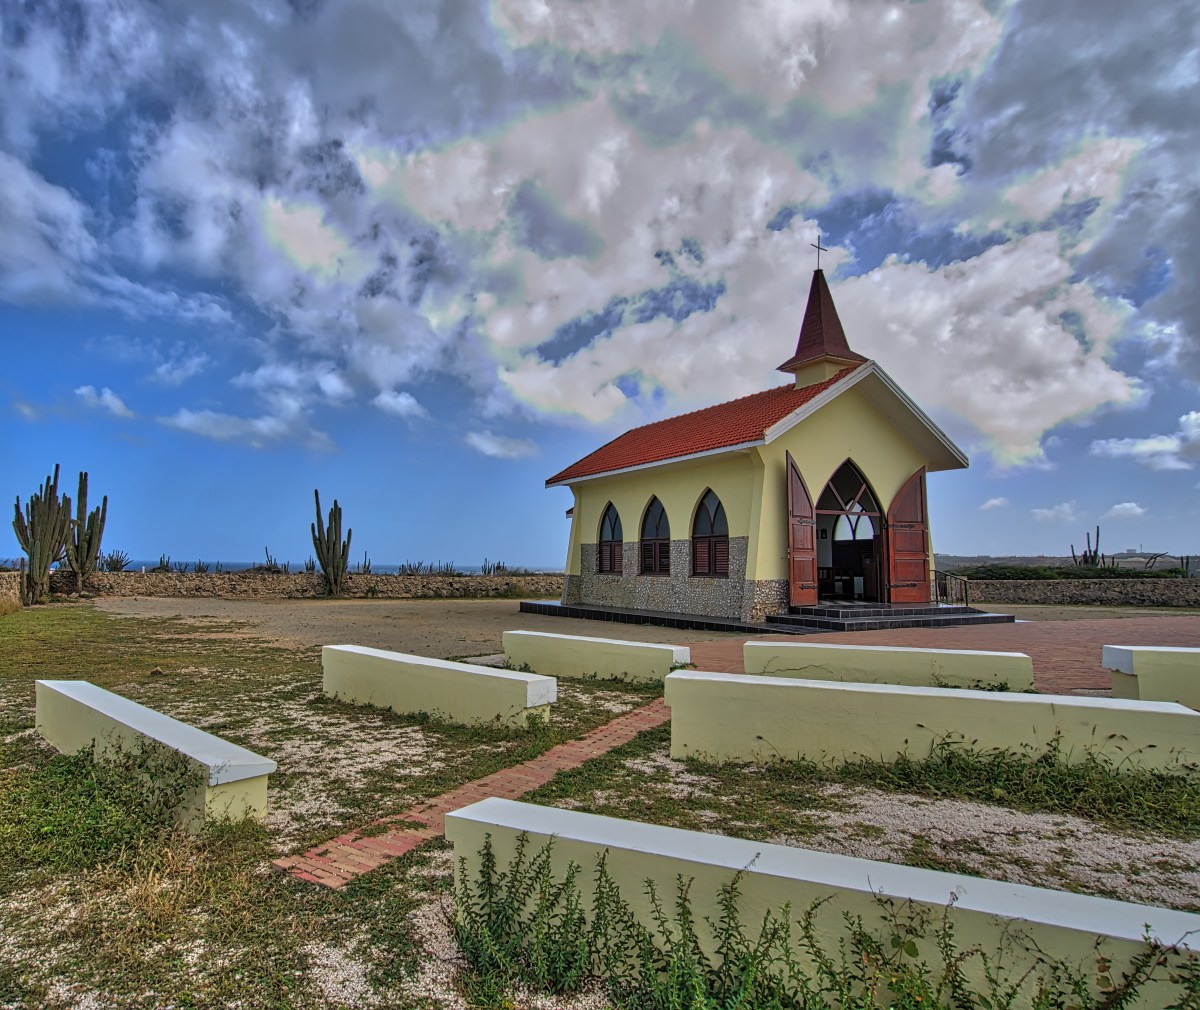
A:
x: 820, y: 249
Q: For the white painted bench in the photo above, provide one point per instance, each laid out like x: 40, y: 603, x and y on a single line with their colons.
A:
x: 1154, y: 673
x: 605, y: 658
x: 75, y: 714
x: 1070, y: 927
x: 886, y: 664
x: 456, y: 692
x: 734, y: 717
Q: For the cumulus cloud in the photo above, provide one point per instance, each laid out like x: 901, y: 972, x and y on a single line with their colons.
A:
x: 500, y: 446
x: 105, y: 399
x: 578, y: 214
x: 1125, y: 510
x: 399, y: 404
x: 1063, y: 512
x: 256, y: 432
x: 1177, y: 451
x: 994, y: 503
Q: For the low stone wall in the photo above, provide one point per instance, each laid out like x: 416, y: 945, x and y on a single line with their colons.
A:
x: 1107, y: 592
x: 10, y: 586
x: 301, y: 585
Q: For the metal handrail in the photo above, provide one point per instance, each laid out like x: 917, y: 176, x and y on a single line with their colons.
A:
x: 945, y: 587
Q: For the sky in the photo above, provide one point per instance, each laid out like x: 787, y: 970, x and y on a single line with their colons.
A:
x: 423, y: 255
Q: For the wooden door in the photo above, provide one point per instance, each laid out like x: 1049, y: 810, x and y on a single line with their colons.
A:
x: 908, y: 543
x: 802, y: 540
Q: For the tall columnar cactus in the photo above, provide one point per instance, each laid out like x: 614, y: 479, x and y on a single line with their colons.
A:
x: 83, y: 542
x: 333, y: 553
x: 42, y: 530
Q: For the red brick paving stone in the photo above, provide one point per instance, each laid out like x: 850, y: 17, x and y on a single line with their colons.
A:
x: 338, y: 861
x: 1065, y: 654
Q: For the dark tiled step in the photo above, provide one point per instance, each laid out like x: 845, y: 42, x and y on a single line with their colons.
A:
x: 883, y: 623
x: 857, y: 612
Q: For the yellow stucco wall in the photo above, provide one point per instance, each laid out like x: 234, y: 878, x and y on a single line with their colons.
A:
x: 987, y: 915
x: 456, y: 692
x: 579, y: 656
x: 849, y: 427
x: 71, y: 726
x: 1154, y: 673
x: 733, y: 717
x: 679, y: 487
x: 877, y: 664
x: 752, y: 484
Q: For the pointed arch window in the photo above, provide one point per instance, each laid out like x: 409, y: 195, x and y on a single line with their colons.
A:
x: 654, y: 549
x: 710, y: 538
x: 611, y: 542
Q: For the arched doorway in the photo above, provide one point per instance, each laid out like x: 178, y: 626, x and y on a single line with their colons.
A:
x: 849, y: 538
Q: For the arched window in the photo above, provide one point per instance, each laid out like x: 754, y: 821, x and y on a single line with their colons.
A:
x: 611, y: 542
x: 710, y: 538
x: 655, y: 547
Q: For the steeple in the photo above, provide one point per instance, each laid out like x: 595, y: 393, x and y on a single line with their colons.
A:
x: 822, y: 350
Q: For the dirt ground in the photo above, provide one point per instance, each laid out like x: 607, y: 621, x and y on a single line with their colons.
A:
x: 443, y: 629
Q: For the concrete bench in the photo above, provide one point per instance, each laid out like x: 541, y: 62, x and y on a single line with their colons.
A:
x: 605, y: 658
x: 1070, y: 927
x: 886, y: 664
x: 1154, y: 673
x: 456, y: 692
x: 734, y: 717
x: 75, y: 714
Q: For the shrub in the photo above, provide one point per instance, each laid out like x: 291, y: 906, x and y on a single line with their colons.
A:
x: 1038, y: 573
x: 522, y: 926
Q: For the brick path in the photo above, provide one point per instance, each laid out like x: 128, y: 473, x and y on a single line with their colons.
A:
x: 1066, y: 654
x: 340, y: 860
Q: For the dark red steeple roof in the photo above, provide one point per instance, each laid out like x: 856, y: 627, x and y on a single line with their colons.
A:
x: 821, y: 334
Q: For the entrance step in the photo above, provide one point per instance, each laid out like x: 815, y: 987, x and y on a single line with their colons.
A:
x: 879, y: 618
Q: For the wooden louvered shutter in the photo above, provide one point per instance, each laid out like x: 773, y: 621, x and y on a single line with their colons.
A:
x: 617, y: 561
x: 700, y: 565
x: 647, y: 547
x: 605, y: 559
x: 664, y: 556
x: 720, y: 556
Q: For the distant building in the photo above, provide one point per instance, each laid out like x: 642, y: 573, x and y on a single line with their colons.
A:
x: 811, y: 489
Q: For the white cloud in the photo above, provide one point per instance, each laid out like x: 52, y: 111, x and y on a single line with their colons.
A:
x: 256, y: 432
x: 1178, y: 451
x: 1063, y: 512
x: 177, y: 369
x: 399, y: 404
x: 105, y: 399
x: 994, y: 503
x: 500, y: 446
x: 1125, y: 510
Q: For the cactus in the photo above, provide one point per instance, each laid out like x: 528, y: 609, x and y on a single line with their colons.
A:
x: 83, y: 542
x: 1090, y: 557
x: 333, y: 553
x: 42, y: 530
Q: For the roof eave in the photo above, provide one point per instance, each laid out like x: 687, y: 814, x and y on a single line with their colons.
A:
x: 736, y: 447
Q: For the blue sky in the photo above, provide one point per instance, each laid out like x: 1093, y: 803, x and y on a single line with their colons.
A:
x: 424, y: 255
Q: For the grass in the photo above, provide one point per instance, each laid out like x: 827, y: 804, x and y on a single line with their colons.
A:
x: 102, y: 895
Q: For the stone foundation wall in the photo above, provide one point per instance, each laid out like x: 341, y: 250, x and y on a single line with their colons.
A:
x: 1107, y: 592
x: 301, y: 585
x: 679, y: 592
x: 10, y: 586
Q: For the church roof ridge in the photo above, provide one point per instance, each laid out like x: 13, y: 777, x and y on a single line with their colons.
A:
x: 821, y: 333
x: 706, y: 429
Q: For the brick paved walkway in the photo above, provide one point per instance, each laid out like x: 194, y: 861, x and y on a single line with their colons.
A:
x: 1066, y: 654
x: 342, y: 859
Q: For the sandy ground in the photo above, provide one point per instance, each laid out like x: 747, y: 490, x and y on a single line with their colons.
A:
x: 438, y: 628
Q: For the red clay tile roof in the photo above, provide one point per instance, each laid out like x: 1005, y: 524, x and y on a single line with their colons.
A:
x: 726, y: 424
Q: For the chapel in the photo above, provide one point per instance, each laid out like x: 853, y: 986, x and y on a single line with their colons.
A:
x: 809, y: 491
